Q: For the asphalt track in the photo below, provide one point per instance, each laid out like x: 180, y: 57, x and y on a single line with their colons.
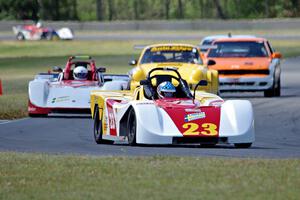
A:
x: 277, y: 122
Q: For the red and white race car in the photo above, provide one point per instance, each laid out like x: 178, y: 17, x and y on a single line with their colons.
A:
x: 38, y: 32
x: 143, y: 117
x: 69, y: 90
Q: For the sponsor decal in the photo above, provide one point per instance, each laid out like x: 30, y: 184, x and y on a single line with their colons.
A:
x: 171, y: 48
x: 111, y: 117
x: 235, y: 66
x: 194, y: 116
x: 30, y: 109
x: 144, y: 103
x: 192, y: 110
x: 60, y: 99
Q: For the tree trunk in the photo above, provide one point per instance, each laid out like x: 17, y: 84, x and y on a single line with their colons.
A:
x: 111, y: 11
x: 99, y: 7
x: 136, y: 10
x: 74, y: 5
x: 267, y: 9
x: 220, y: 12
x: 56, y: 10
x: 180, y: 9
x: 201, y: 4
x: 167, y: 8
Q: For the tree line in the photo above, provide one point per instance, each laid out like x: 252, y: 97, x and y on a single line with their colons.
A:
x: 109, y: 10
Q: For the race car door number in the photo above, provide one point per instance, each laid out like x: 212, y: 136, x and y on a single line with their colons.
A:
x: 208, y: 129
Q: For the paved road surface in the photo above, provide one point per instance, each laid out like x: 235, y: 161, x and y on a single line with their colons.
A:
x: 277, y: 130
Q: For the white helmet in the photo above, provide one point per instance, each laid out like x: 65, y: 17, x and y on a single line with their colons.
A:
x: 39, y: 24
x: 166, y: 89
x: 80, y: 73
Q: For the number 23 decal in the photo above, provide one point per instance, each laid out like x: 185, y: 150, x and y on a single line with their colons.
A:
x: 209, y: 129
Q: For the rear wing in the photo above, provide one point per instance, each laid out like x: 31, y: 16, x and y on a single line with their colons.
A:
x: 47, y: 76
x: 116, y: 77
x: 81, y: 57
x: 140, y: 46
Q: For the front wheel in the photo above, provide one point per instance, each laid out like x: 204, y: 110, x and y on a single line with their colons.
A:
x: 37, y: 115
x: 243, y: 145
x: 131, y: 127
x: 274, y: 91
x: 98, y: 131
x: 20, y: 36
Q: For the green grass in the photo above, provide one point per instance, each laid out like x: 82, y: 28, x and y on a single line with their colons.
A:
x: 38, y: 176
x: 20, y: 61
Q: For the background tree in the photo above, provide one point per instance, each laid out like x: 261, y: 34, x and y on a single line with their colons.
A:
x: 99, y: 7
x: 102, y: 10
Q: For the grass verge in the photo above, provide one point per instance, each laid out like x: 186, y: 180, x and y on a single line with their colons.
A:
x: 38, y: 176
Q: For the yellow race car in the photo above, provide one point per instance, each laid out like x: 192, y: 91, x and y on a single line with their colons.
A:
x: 184, y: 57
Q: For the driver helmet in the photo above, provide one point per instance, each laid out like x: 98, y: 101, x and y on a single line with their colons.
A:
x: 39, y: 24
x: 166, y: 90
x: 80, y: 73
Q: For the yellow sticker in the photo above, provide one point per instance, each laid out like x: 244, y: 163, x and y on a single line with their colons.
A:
x: 209, y: 129
x: 171, y: 48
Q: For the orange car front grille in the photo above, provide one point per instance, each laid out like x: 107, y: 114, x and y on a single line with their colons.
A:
x: 244, y: 72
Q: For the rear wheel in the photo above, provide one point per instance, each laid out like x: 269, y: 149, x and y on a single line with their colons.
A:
x: 131, y: 128
x: 242, y: 145
x: 98, y: 131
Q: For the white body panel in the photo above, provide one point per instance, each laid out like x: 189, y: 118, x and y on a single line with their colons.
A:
x: 65, y: 34
x: 50, y: 93
x: 155, y: 126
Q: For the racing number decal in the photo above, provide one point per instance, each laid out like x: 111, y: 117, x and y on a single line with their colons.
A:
x: 191, y: 129
x: 209, y: 129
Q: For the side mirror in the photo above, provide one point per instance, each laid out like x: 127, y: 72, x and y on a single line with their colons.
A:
x: 211, y: 62
x: 101, y: 69
x: 202, y: 83
x: 133, y: 62
x: 144, y: 82
x: 57, y: 69
x: 276, y: 55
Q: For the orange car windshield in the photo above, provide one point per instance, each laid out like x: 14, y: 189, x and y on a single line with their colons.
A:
x: 164, y: 54
x: 238, y: 49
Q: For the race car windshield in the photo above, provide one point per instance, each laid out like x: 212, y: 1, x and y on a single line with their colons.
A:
x: 238, y: 49
x: 164, y: 54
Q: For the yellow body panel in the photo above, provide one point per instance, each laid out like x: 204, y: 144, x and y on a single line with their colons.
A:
x: 191, y: 72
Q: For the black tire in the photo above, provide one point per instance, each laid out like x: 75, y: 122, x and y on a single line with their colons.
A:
x: 48, y: 36
x: 277, y: 92
x: 20, y: 36
x: 212, y: 145
x: 274, y: 91
x: 37, y: 115
x: 98, y: 131
x: 243, y: 145
x: 131, y: 127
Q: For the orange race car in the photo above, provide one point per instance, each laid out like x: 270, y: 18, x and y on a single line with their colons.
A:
x: 246, y: 64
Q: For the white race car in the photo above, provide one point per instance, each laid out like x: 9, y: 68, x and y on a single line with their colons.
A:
x: 61, y: 92
x: 140, y: 117
x: 37, y: 32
